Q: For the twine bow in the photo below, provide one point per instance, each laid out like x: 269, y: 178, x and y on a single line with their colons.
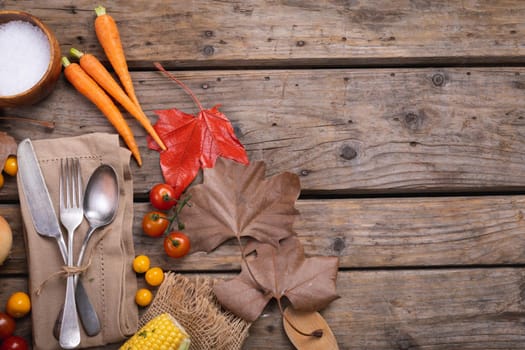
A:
x: 66, y: 271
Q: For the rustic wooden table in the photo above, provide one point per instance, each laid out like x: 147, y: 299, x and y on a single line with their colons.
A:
x: 403, y: 119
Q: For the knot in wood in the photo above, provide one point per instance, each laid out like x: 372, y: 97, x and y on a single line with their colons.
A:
x: 438, y: 79
x: 237, y: 131
x: 339, y: 245
x: 270, y: 328
x: 208, y: 50
x: 348, y: 153
x: 72, y: 9
x: 413, y: 121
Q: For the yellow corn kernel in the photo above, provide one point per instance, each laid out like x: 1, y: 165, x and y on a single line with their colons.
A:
x: 161, y: 333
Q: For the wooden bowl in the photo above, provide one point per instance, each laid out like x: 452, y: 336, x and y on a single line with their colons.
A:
x: 46, y: 84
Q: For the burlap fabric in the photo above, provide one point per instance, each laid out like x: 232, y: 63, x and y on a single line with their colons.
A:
x: 192, y: 302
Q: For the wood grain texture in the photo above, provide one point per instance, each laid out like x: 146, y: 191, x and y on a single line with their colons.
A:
x: 445, y: 309
x: 411, y: 309
x: 269, y: 33
x: 395, y: 102
x: 364, y: 233
x: 379, y: 233
x: 342, y: 131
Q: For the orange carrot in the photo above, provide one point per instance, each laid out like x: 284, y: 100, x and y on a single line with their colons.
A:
x: 109, y: 37
x: 90, y: 89
x: 100, y: 74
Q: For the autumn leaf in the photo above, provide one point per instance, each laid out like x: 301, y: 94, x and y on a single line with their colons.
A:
x: 180, y: 163
x: 277, y: 272
x: 7, y: 147
x: 193, y: 142
x: 218, y: 138
x: 235, y: 200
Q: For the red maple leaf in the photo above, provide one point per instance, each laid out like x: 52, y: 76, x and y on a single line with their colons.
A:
x: 193, y: 142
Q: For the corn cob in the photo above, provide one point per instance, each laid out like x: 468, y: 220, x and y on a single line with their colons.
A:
x: 161, y: 333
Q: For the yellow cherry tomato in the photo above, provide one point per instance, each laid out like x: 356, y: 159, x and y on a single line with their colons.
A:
x: 141, y: 264
x: 154, y: 276
x: 143, y: 297
x: 1, y: 180
x: 11, y: 166
x: 18, y: 305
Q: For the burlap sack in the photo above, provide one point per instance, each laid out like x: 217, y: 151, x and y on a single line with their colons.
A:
x: 192, y: 302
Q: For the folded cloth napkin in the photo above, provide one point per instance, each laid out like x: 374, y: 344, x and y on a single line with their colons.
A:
x: 109, y: 280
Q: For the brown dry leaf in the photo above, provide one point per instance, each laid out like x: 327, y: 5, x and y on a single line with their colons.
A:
x: 236, y: 201
x: 7, y: 147
x: 283, y: 271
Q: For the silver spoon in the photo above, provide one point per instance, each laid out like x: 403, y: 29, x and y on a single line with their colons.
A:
x: 100, y: 208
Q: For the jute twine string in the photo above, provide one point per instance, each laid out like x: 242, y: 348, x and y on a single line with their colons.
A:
x: 66, y: 271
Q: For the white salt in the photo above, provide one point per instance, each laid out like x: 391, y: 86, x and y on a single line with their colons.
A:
x: 24, y: 56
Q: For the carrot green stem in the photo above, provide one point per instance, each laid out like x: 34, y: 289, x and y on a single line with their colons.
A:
x: 75, y: 53
x: 100, y: 10
x: 65, y: 61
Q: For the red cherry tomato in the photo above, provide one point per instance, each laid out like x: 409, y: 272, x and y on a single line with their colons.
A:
x: 7, y: 325
x: 14, y: 342
x: 155, y: 223
x: 176, y: 244
x: 162, y: 196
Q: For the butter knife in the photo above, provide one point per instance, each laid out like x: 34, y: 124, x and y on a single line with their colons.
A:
x: 46, y: 224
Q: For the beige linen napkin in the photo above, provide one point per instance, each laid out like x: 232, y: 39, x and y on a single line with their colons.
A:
x: 110, y: 281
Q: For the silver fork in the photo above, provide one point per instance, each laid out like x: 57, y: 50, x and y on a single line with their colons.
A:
x: 71, y: 215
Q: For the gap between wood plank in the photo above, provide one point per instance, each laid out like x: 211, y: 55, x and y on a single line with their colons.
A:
x: 362, y: 64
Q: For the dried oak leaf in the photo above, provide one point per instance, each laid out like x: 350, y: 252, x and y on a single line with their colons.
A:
x: 235, y: 200
x: 7, y: 147
x: 277, y: 272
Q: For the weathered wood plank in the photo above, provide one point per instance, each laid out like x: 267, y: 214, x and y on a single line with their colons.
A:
x: 443, y: 309
x: 364, y: 233
x: 386, y: 232
x: 416, y: 309
x: 341, y: 131
x: 279, y: 33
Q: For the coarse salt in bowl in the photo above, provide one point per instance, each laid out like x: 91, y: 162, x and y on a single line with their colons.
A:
x: 29, y: 59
